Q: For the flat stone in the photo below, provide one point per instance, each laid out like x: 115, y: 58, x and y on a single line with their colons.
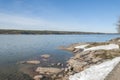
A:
x: 45, y: 56
x: 33, y: 62
x: 38, y: 77
x: 50, y: 70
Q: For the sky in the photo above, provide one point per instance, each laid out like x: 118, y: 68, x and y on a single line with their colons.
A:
x: 60, y: 15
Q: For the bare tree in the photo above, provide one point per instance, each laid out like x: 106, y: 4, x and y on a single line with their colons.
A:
x: 118, y: 26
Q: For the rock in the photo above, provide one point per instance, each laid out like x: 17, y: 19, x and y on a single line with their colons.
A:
x: 65, y: 77
x: 115, y: 40
x: 62, y: 64
x: 71, y: 47
x: 53, y: 76
x: 45, y: 60
x: 66, y: 69
x: 58, y: 64
x: 70, y: 68
x: 45, y: 56
x: 95, y: 60
x: 76, y: 65
x: 60, y: 75
x: 33, y: 62
x: 77, y: 50
x: 48, y: 70
x: 81, y: 55
x: 62, y: 69
x: 52, y: 64
x: 38, y: 77
x: 70, y: 73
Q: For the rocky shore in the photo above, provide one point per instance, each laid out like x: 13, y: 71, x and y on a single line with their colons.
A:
x: 85, y: 57
x: 90, y: 54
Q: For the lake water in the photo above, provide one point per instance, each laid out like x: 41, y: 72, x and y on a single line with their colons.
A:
x: 15, y: 48
x: 19, y: 47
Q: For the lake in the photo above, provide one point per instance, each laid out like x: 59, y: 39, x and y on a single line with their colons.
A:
x: 16, y: 48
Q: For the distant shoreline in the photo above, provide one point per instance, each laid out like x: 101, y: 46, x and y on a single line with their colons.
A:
x: 47, y: 32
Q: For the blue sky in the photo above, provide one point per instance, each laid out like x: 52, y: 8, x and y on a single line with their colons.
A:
x: 61, y: 15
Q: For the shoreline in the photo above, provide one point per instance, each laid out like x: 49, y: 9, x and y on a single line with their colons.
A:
x: 85, y: 55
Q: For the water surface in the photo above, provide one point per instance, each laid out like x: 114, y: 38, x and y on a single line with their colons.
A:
x: 15, y: 48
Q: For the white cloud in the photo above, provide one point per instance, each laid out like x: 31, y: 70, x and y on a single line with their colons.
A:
x: 8, y: 21
x: 21, y: 20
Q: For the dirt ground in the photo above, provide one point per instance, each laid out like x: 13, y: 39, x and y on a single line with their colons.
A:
x: 115, y: 74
